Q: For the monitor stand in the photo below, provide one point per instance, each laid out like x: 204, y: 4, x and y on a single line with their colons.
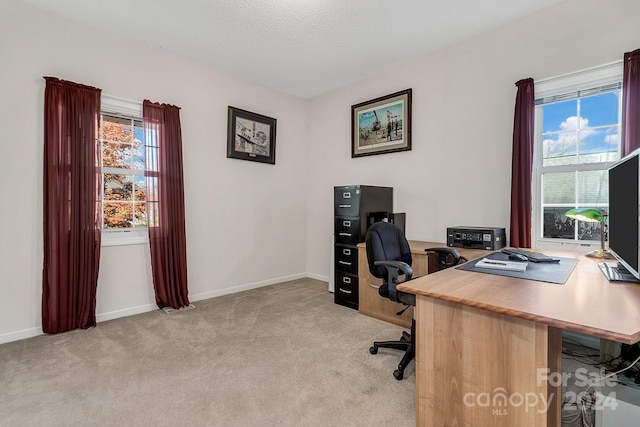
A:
x: 617, y: 273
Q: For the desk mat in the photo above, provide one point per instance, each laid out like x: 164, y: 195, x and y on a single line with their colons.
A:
x: 538, y: 271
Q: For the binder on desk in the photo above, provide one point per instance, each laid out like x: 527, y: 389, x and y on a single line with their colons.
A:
x: 502, y: 265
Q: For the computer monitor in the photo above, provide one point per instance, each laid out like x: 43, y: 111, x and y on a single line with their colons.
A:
x: 624, y: 212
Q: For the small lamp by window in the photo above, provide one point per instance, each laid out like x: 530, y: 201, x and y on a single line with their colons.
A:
x: 592, y: 215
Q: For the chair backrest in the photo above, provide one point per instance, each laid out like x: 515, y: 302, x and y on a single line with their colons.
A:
x: 385, y: 242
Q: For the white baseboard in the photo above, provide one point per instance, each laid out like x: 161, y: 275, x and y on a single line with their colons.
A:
x: 116, y: 314
x: 246, y: 287
x: 102, y: 317
x: 20, y: 335
x: 320, y: 277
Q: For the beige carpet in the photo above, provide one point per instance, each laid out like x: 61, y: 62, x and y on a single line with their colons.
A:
x: 283, y: 355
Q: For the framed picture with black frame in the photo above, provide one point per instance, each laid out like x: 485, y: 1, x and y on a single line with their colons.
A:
x: 251, y: 136
x: 381, y: 125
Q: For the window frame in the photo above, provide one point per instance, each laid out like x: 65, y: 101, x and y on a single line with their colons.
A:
x: 119, y: 107
x: 603, y: 75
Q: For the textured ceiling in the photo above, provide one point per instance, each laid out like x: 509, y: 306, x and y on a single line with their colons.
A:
x: 301, y: 47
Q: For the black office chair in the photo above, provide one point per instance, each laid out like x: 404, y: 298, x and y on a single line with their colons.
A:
x: 389, y: 257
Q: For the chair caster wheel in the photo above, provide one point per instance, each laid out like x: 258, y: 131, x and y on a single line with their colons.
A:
x: 373, y: 350
x: 398, y: 374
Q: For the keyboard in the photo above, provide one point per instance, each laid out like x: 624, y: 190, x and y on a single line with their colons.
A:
x: 614, y: 274
x: 531, y: 256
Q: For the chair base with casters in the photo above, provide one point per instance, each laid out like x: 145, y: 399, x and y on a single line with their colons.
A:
x: 406, y: 343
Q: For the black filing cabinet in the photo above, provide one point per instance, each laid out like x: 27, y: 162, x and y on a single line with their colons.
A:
x: 352, y: 203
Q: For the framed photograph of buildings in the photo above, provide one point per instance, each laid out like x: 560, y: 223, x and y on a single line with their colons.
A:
x: 251, y: 136
x: 381, y: 125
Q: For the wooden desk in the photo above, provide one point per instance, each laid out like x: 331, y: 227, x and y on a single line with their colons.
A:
x: 370, y: 302
x: 485, y: 342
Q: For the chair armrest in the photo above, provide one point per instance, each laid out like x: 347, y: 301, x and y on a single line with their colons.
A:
x: 397, y: 265
x: 388, y: 287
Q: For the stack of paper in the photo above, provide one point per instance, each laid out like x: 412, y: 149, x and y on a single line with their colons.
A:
x: 502, y: 265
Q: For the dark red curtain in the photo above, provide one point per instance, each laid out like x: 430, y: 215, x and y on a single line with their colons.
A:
x: 165, y: 204
x: 71, y: 206
x: 521, y: 164
x: 631, y: 102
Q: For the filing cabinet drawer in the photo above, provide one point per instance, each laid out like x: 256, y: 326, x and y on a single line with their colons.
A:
x: 346, y: 259
x: 346, y: 201
x: 347, y: 230
x: 346, y: 291
x: 352, y: 204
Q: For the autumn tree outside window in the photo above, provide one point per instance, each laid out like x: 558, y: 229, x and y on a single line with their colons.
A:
x: 124, y: 209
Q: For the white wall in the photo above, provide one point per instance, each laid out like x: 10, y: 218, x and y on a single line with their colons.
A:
x: 459, y: 170
x: 245, y: 221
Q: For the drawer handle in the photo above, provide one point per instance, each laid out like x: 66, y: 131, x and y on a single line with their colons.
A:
x: 374, y: 286
x: 344, y: 262
x: 345, y: 291
x: 346, y: 195
x: 346, y: 280
x: 344, y: 234
x: 346, y: 223
x: 344, y: 206
x: 346, y: 251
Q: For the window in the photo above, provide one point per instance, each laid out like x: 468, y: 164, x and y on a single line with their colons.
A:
x: 124, y: 207
x: 577, y: 130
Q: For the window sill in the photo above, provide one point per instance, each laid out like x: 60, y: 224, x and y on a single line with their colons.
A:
x: 124, y: 237
x: 567, y: 245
